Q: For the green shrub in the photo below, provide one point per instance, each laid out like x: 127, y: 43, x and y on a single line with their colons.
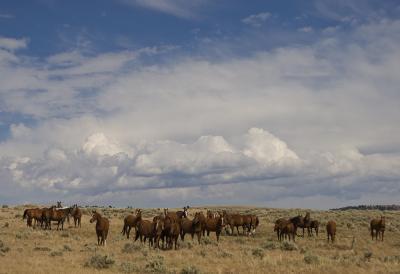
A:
x: 127, y: 267
x: 269, y: 245
x: 67, y: 248
x: 130, y: 248
x: 41, y: 248
x: 289, y: 246
x: 156, y: 265
x: 311, y: 259
x: 258, y: 252
x: 56, y: 253
x: 3, y: 247
x: 100, y: 262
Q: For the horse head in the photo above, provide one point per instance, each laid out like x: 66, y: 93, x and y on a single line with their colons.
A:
x: 95, y: 216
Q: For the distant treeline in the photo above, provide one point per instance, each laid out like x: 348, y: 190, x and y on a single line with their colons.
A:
x: 369, y: 207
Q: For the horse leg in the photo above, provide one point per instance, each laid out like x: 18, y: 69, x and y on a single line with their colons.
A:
x: 136, y: 237
x: 198, y: 236
x: 383, y: 231
x: 128, y: 231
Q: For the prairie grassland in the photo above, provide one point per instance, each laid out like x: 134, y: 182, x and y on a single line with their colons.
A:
x: 74, y: 250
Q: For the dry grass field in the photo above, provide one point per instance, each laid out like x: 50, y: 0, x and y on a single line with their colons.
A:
x: 74, y: 250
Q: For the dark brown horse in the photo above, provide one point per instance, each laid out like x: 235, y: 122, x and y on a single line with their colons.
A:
x: 298, y: 221
x: 288, y: 229
x: 215, y: 225
x: 159, y: 227
x: 129, y: 222
x: 285, y: 228
x: 377, y: 225
x: 191, y: 227
x: 33, y: 214
x: 174, y: 233
x: 314, y: 224
x: 279, y: 224
x: 145, y: 229
x: 102, y: 226
x: 331, y: 231
x: 76, y: 213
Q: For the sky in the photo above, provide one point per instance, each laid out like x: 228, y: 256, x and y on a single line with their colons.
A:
x: 166, y: 103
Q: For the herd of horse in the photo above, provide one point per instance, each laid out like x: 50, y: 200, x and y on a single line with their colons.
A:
x: 169, y: 226
x: 44, y: 216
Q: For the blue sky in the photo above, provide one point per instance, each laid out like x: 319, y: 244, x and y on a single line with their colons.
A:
x: 275, y: 103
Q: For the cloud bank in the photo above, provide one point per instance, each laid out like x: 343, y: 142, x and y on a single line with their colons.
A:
x: 293, y: 126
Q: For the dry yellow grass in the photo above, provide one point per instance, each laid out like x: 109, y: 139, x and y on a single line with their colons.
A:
x: 39, y: 251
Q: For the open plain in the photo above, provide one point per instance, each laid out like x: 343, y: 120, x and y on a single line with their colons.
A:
x: 74, y: 250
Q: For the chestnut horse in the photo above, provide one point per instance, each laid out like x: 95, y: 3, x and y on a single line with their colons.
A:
x: 176, y: 215
x: 331, y: 231
x: 76, y: 213
x: 215, y: 225
x: 102, y: 226
x: 33, y: 214
x: 235, y: 220
x: 129, y: 222
x: 174, y: 232
x: 288, y: 229
x: 377, y: 225
x: 145, y: 229
x: 192, y: 227
x: 285, y: 228
x: 279, y: 224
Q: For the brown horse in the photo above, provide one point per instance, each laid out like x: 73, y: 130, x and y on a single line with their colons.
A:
x: 279, y: 224
x: 377, y: 225
x: 202, y: 220
x: 59, y: 215
x: 298, y: 221
x: 129, y: 222
x: 192, y: 227
x: 159, y: 226
x: 102, y: 226
x: 76, y: 213
x: 176, y: 215
x: 247, y: 220
x: 33, y: 214
x: 144, y: 229
x: 234, y: 220
x: 215, y: 225
x: 314, y: 224
x: 254, y: 223
x: 174, y: 234
x: 331, y: 231
x: 287, y: 229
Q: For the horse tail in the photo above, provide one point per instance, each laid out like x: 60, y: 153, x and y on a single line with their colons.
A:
x: 25, y: 213
x: 124, y: 228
